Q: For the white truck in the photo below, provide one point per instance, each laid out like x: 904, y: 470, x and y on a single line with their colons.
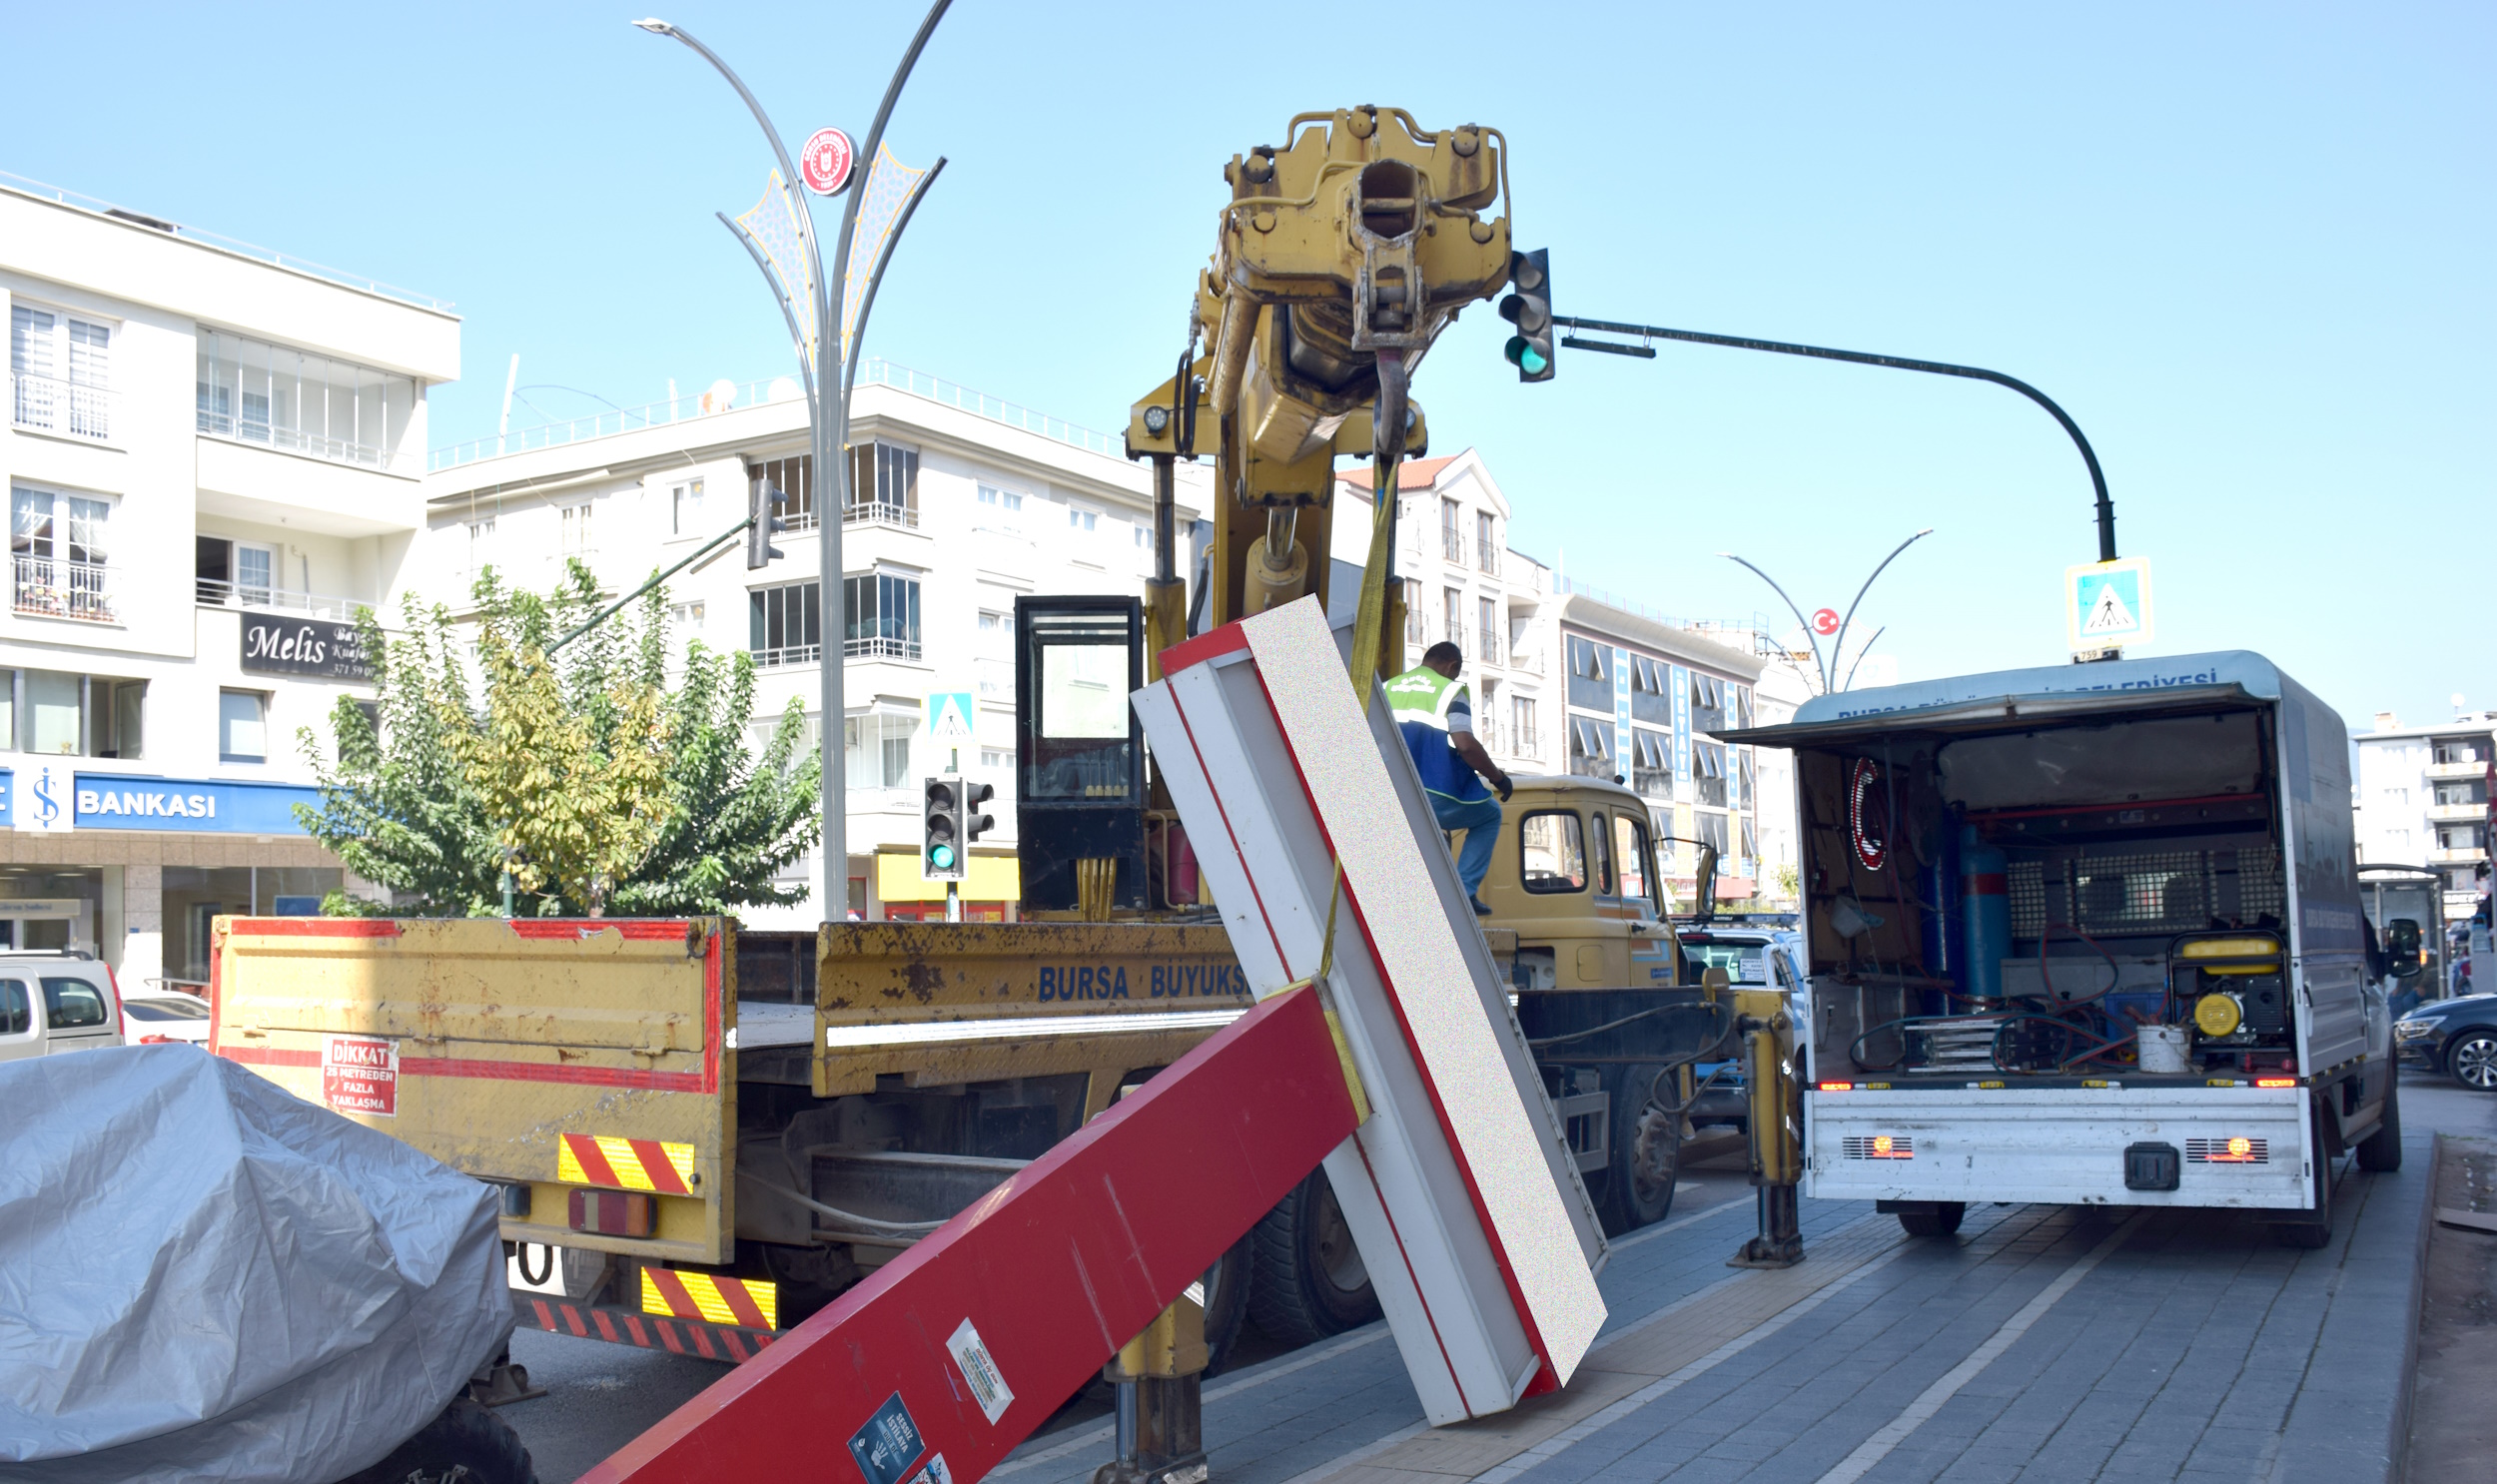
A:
x: 2087, y: 934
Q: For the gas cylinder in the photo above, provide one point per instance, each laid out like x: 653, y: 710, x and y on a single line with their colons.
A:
x: 1985, y: 917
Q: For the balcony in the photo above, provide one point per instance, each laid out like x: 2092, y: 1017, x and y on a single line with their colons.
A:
x: 261, y: 431
x: 47, y: 405
x: 53, y: 587
x: 2444, y: 857
x: 1526, y: 658
x: 878, y: 513
x: 2450, y: 772
x: 878, y: 646
x: 1453, y: 546
x: 1487, y: 646
x: 1487, y: 557
x: 2457, y: 814
x: 215, y: 594
x: 792, y: 654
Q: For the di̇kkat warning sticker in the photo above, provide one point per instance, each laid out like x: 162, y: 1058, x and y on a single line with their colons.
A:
x: 988, y: 1385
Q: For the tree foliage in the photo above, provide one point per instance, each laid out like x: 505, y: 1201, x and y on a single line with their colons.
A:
x: 600, y: 785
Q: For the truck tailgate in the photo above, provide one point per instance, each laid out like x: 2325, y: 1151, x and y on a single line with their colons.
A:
x: 551, y: 1056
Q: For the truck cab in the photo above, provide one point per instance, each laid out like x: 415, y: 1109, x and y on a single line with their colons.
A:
x: 1576, y: 880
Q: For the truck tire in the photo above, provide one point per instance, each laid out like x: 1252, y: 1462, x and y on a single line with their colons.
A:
x: 2381, y: 1151
x: 465, y: 1436
x: 1226, y: 1302
x: 2312, y: 1230
x: 1636, y: 1187
x: 1306, y: 1277
x: 1942, y: 1219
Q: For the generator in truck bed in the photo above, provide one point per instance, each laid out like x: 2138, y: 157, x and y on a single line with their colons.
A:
x: 2086, y: 935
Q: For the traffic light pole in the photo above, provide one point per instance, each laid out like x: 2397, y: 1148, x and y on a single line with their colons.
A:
x: 2098, y: 479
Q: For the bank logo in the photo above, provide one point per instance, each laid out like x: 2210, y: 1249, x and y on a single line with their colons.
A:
x: 47, y: 802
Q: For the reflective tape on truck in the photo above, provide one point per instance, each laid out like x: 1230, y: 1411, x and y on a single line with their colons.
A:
x: 750, y: 1303
x: 625, y: 1163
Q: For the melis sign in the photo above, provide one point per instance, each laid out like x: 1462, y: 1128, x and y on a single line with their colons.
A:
x: 292, y: 644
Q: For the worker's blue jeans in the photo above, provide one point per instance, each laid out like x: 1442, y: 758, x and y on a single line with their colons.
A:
x: 1480, y: 820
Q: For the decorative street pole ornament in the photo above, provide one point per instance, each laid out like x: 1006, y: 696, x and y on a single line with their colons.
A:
x: 1825, y: 622
x: 826, y: 161
x: 1867, y: 822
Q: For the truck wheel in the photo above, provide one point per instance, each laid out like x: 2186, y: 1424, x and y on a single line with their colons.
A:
x: 1307, y: 1280
x: 1941, y: 1218
x: 1646, y: 1143
x: 2472, y: 1059
x: 465, y: 1436
x: 1226, y: 1302
x: 2312, y: 1230
x: 2381, y: 1151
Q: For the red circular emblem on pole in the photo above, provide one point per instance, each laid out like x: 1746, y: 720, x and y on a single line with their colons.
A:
x: 1825, y: 622
x: 825, y: 162
x: 1867, y: 822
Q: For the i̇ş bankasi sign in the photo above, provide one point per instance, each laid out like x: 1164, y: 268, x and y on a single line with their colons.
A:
x: 291, y: 644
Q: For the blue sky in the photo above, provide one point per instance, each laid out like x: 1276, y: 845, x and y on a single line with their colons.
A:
x: 2247, y: 248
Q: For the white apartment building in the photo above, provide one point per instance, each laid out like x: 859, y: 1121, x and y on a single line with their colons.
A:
x: 2424, y: 800
x: 213, y: 457
x: 960, y: 504
x: 1462, y: 586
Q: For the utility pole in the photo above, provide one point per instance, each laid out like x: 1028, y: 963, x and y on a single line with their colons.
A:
x: 829, y: 372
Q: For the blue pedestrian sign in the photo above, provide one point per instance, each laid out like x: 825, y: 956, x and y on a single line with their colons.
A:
x: 949, y: 718
x: 2106, y: 604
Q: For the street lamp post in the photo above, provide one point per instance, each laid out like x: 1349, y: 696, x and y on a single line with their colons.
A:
x: 1827, y: 664
x: 828, y: 387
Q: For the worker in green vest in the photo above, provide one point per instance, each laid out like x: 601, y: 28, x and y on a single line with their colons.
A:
x: 1436, y: 712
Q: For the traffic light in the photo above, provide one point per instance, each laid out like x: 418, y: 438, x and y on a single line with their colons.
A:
x: 1529, y: 308
x: 941, y: 841
x: 763, y: 501
x: 975, y: 825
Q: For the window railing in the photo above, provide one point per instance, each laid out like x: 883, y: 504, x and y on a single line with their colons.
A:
x: 210, y: 593
x: 1453, y: 546
x: 55, y: 587
x: 791, y: 654
x: 294, y: 440
x: 1487, y: 646
x: 1416, y: 626
x: 877, y: 646
x: 49, y: 405
x: 880, y: 513
x: 1487, y: 557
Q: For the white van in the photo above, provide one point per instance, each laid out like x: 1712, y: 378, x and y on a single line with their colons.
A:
x: 54, y: 1002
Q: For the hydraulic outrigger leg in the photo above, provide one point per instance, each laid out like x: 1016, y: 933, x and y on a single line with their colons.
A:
x: 1775, y: 1119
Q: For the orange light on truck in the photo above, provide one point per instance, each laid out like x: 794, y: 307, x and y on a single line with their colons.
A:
x: 2275, y: 1081
x: 1837, y: 1087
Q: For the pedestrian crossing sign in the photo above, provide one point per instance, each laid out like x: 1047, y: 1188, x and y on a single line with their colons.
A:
x: 2106, y: 604
x: 949, y: 716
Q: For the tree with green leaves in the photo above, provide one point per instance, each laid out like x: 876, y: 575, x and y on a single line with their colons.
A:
x: 579, y: 769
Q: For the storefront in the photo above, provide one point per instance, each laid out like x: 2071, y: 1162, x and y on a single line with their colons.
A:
x: 134, y: 868
x: 991, y: 888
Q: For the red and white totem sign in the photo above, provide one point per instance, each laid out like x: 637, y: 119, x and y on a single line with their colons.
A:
x: 826, y: 160
x: 359, y: 1075
x: 1466, y: 1203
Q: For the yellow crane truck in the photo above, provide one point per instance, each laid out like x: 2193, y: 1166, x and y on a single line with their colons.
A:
x: 703, y: 1133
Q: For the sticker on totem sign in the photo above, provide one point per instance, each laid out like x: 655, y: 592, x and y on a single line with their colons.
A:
x: 988, y: 1385
x: 889, y: 1444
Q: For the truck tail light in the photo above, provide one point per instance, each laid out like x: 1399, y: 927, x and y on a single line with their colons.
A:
x: 1878, y: 1146
x: 2275, y: 1081
x: 2236, y: 1150
x: 1835, y: 1087
x: 614, y: 1213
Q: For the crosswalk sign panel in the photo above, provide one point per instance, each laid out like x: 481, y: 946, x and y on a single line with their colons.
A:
x: 949, y: 716
x: 2106, y: 604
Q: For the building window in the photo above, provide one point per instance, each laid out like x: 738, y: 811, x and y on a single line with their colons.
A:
x: 883, y: 616
x: 1590, y: 675
x: 68, y: 715
x: 242, y: 726
x: 481, y: 543
x: 997, y: 630
x: 1000, y: 509
x: 876, y: 749
x: 1453, y: 615
x: 1708, y: 766
x: 60, y: 369
x: 1144, y: 534
x: 2461, y: 750
x: 1417, y: 622
x: 687, y: 617
x: 257, y: 393
x: 1590, y: 748
x: 1651, y: 763
x: 1079, y: 518
x: 684, y: 508
x: 1651, y: 691
x: 576, y: 540
x: 999, y: 760
x: 1487, y: 631
x: 1486, y: 550
x: 1708, y: 697
x: 1451, y: 545
x: 228, y: 573
x: 57, y: 541
x: 785, y: 625
x: 1521, y: 720
x: 884, y: 485
x: 793, y: 477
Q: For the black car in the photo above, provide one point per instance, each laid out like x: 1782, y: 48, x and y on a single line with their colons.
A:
x: 2455, y: 1037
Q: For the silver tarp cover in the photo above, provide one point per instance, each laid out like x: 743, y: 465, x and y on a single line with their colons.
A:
x: 203, y: 1276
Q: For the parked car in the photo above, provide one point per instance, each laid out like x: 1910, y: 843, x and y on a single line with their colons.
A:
x: 1752, y: 958
x: 56, y: 1002
x: 149, y: 1016
x: 2455, y: 1037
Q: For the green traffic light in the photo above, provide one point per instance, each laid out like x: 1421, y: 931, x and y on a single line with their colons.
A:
x: 1523, y: 354
x: 942, y: 857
